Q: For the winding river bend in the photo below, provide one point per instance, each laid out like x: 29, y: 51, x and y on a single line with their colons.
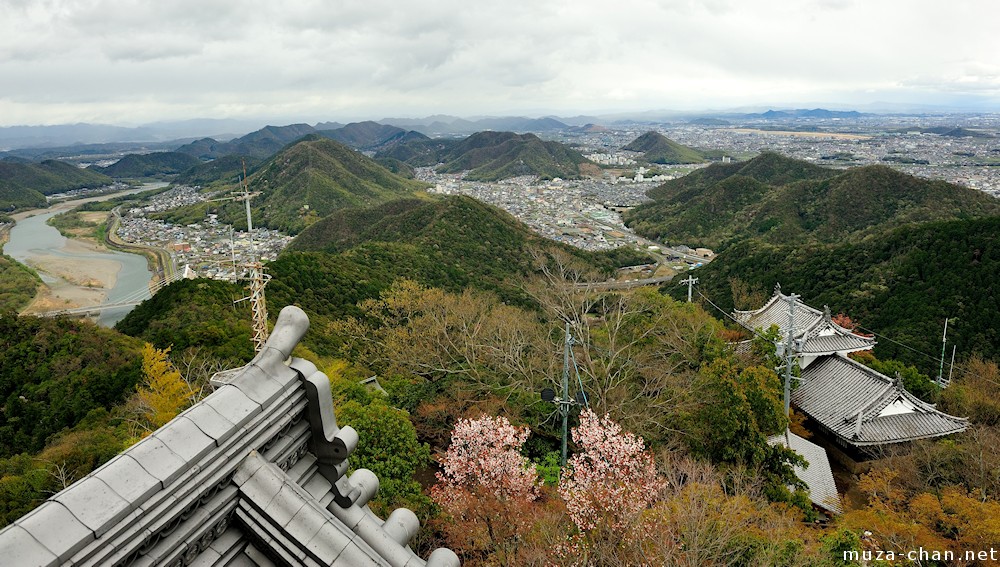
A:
x: 77, y: 273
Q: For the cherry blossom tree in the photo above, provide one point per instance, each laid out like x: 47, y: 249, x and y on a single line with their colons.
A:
x: 611, y: 480
x: 488, y: 489
x: 485, y: 453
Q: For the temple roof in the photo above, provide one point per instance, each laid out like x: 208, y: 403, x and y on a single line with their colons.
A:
x: 817, y: 474
x: 815, y: 329
x: 253, y: 474
x: 865, y: 408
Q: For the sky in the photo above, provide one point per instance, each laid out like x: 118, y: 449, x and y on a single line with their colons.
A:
x: 129, y: 62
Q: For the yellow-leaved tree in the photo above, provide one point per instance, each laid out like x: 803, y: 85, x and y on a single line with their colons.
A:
x: 165, y: 393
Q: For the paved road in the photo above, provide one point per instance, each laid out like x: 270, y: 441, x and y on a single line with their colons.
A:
x: 628, y: 284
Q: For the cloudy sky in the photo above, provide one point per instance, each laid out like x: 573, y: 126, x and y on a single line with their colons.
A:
x: 129, y: 62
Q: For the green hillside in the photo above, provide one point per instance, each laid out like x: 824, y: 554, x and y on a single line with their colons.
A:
x: 902, y: 284
x: 224, y: 169
x: 12, y: 198
x: 18, y: 284
x: 316, y: 176
x: 149, y: 165
x: 194, y: 313
x: 354, y: 254
x: 657, y: 148
x: 781, y: 200
x: 53, y: 372
x: 24, y: 185
x: 491, y: 156
x: 259, y: 144
x: 418, y: 152
x: 370, y: 135
x: 450, y: 242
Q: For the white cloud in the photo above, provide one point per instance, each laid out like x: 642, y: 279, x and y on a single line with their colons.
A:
x: 132, y: 60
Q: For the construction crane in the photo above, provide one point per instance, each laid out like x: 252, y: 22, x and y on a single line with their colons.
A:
x: 258, y: 277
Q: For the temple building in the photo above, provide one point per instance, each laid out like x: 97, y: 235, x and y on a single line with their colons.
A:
x: 254, y: 474
x: 855, y: 405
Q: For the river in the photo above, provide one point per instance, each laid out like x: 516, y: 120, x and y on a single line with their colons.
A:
x: 77, y: 273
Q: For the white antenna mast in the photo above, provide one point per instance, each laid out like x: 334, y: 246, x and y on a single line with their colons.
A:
x: 258, y: 278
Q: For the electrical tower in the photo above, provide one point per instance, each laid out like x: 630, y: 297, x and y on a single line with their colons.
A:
x: 258, y: 278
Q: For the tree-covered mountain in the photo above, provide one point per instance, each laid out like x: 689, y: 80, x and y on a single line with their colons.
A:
x: 196, y: 314
x: 226, y: 169
x: 781, y: 200
x: 148, y: 165
x: 902, y: 284
x: 314, y: 177
x: 657, y: 148
x: 24, y: 185
x: 354, y: 254
x: 371, y: 135
x: 259, y: 144
x: 53, y: 372
x: 449, y: 242
x: 491, y: 156
x: 418, y: 153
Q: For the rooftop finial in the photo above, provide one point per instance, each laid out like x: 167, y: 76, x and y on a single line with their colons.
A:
x: 777, y: 288
x: 826, y: 313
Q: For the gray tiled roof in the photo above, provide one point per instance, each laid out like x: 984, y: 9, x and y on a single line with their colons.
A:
x: 251, y: 474
x: 775, y: 312
x: 819, y: 333
x: 835, y: 390
x: 816, y: 474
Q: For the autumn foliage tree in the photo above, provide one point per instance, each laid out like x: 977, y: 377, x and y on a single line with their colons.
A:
x: 164, y: 393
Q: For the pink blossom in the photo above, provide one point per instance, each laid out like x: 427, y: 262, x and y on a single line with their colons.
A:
x: 485, y: 454
x: 612, y: 478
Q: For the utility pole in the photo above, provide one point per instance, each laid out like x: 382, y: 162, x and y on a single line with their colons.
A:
x: 691, y: 280
x: 564, y: 407
x: 944, y: 341
x: 789, y: 354
x: 951, y: 368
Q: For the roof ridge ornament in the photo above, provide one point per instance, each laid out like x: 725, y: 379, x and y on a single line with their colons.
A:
x: 827, y: 316
x: 777, y: 288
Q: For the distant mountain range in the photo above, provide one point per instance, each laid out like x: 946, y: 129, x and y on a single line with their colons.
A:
x: 222, y: 131
x: 453, y: 125
x: 805, y: 113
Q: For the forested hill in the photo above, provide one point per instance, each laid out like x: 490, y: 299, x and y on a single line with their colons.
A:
x: 781, y: 200
x: 148, y: 165
x: 901, y: 285
x: 53, y: 372
x: 657, y: 148
x: 303, y: 183
x: 491, y: 156
x: 260, y: 144
x: 354, y: 254
x: 24, y: 185
x: 451, y: 242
